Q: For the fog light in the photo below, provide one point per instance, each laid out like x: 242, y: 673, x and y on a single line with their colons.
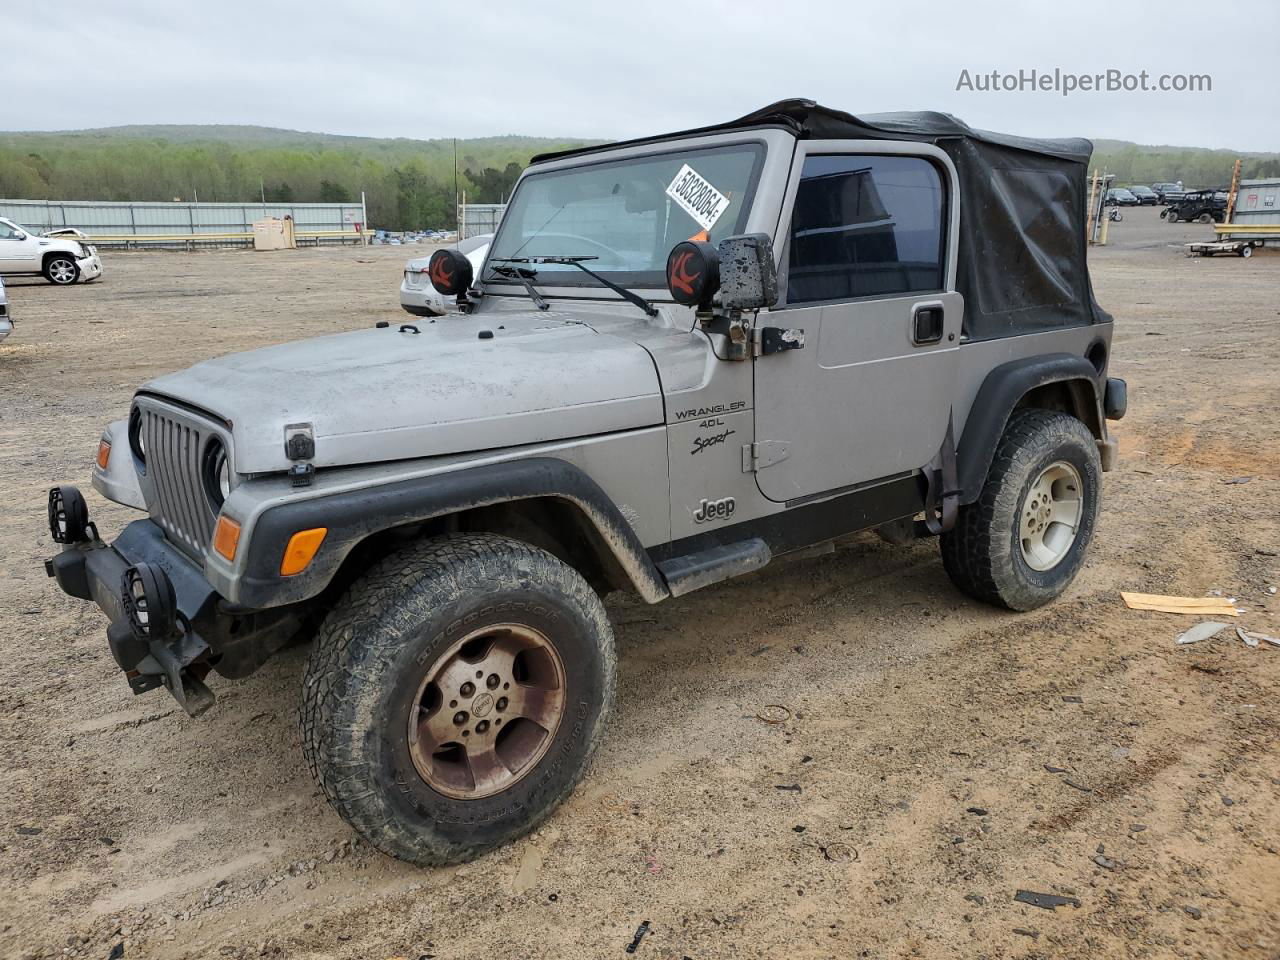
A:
x: 68, y: 515
x: 149, y: 603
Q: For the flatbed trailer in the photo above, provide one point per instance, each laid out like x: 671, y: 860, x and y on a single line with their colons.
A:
x: 1241, y: 248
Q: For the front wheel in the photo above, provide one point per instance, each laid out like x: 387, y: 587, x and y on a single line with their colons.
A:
x: 1022, y: 542
x: 1172, y: 216
x: 456, y: 694
x: 61, y: 270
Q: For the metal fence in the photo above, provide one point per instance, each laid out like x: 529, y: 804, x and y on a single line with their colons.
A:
x: 478, y: 218
x: 185, y: 224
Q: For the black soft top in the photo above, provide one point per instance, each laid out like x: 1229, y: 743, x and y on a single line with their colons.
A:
x: 1022, y: 262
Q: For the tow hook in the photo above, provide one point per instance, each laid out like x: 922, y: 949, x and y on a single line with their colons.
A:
x: 161, y: 647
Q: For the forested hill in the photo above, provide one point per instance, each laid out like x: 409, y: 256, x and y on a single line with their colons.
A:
x: 1194, y: 166
x: 408, y: 183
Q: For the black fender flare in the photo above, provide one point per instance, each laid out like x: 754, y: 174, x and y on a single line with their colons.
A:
x: 999, y: 394
x: 352, y: 516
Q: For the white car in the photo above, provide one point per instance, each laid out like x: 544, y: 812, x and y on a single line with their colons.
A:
x: 419, y: 297
x: 61, y: 256
x: 6, y: 321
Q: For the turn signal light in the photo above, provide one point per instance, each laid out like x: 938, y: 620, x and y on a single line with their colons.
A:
x: 226, y: 537
x: 301, y: 550
x: 104, y: 454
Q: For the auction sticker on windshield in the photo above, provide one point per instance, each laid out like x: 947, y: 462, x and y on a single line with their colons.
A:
x: 698, y: 198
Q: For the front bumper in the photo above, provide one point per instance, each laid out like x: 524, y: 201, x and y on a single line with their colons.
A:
x: 94, y: 570
x: 90, y: 268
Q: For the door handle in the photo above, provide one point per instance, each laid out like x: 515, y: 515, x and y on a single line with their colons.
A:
x: 927, y: 324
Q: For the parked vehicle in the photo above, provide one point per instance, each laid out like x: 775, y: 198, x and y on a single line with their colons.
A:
x: 1146, y: 196
x: 419, y: 297
x: 1168, y: 192
x: 682, y: 357
x: 6, y: 321
x: 1206, y: 206
x: 61, y: 256
x: 1119, y: 196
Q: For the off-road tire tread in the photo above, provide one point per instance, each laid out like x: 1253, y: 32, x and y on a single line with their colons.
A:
x: 426, y: 574
x: 975, y: 553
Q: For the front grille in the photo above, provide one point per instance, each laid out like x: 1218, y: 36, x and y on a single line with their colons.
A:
x: 177, y: 501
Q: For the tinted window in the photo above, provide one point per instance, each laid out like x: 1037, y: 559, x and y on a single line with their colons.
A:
x: 865, y: 226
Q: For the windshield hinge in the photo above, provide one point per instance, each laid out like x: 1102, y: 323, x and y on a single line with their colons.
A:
x: 763, y: 453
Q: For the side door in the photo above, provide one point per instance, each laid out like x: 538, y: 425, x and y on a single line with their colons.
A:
x: 19, y: 250
x: 867, y: 271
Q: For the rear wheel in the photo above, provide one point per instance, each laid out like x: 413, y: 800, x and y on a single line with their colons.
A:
x: 456, y: 695
x: 1205, y: 218
x: 1021, y: 543
x: 61, y: 269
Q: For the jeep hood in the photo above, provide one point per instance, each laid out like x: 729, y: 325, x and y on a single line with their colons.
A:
x: 462, y: 384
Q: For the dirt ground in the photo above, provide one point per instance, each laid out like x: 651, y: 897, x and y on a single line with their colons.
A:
x: 936, y: 756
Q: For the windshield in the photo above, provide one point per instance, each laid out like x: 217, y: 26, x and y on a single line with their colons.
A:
x: 628, y: 214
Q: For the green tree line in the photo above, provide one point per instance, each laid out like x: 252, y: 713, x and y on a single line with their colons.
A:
x: 1133, y: 163
x: 408, y: 184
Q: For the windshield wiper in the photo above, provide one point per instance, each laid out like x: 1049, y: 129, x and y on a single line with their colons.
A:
x: 628, y: 295
x: 524, y: 277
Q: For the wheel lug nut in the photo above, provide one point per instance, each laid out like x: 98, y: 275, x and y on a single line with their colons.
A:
x: 502, y: 703
x: 482, y: 726
x: 492, y: 681
x: 467, y: 689
x: 460, y: 717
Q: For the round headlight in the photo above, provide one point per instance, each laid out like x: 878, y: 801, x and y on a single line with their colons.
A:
x: 216, y: 470
x: 136, y: 443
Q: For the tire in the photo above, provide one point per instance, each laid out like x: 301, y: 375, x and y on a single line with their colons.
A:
x: 984, y: 554
x: 1172, y: 216
x: 1246, y: 252
x: 60, y: 269
x: 369, y: 671
x: 1205, y: 218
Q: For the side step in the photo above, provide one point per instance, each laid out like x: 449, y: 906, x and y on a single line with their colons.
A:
x: 696, y: 570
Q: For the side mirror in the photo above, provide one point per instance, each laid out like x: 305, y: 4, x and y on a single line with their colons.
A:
x: 450, y: 272
x: 741, y: 269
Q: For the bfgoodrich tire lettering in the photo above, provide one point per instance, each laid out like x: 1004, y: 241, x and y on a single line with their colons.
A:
x: 983, y: 554
x: 366, y: 672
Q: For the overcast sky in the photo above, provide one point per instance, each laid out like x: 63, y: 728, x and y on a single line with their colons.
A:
x: 397, y: 68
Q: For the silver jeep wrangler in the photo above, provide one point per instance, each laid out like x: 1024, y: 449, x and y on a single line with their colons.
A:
x: 683, y: 356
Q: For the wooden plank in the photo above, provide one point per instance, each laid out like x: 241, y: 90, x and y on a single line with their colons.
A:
x: 1191, y: 606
